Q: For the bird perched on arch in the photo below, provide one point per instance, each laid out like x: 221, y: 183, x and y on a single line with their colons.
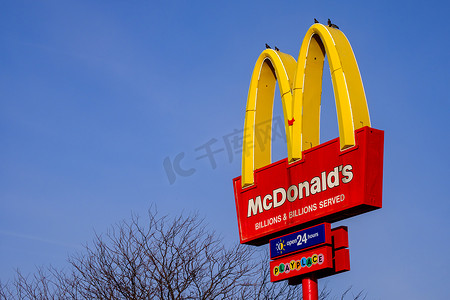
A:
x: 332, y: 25
x: 276, y: 48
x: 315, y: 20
x: 267, y: 46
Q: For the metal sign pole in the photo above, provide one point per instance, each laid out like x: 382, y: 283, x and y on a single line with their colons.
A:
x: 309, y: 288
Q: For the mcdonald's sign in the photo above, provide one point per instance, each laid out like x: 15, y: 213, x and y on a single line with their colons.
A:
x: 317, y: 182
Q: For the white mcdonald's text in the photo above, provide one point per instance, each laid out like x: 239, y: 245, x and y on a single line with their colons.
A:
x: 298, y: 191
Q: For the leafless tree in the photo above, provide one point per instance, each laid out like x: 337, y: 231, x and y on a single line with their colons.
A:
x: 165, y: 258
x: 168, y: 259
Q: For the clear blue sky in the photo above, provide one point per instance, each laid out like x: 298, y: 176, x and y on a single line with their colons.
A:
x: 95, y: 97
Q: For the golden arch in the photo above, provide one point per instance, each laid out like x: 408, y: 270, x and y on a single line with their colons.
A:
x: 270, y: 66
x: 351, y: 104
x: 301, y: 87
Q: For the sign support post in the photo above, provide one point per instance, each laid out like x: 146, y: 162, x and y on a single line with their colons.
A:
x: 309, y: 288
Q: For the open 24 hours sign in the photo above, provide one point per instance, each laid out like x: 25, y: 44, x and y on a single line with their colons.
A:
x: 326, y: 185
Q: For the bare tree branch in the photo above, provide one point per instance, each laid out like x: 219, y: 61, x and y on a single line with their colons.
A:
x: 161, y: 258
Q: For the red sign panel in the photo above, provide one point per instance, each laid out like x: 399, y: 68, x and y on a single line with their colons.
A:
x: 302, y: 263
x: 327, y: 185
x: 323, y: 260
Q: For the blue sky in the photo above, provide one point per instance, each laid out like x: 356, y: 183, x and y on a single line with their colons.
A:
x: 95, y: 97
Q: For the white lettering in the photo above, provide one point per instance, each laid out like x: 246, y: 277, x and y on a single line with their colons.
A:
x: 347, y: 173
x: 266, y: 205
x: 278, y: 202
x: 304, y: 185
x: 315, y: 185
x: 292, y: 188
x: 324, y: 181
x: 303, y: 189
x: 334, y: 174
x: 254, y: 207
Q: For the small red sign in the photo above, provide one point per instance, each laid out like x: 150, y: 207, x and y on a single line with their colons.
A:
x: 325, y: 260
x: 302, y: 263
x: 327, y: 185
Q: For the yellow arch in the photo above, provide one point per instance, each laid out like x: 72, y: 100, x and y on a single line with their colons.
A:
x: 351, y: 104
x: 270, y: 66
x: 301, y: 87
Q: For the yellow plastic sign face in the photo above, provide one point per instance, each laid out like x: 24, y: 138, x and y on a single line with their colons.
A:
x: 300, y: 85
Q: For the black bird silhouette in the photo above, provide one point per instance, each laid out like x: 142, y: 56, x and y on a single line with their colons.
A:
x: 267, y: 46
x: 277, y: 48
x: 332, y: 25
x: 315, y: 20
